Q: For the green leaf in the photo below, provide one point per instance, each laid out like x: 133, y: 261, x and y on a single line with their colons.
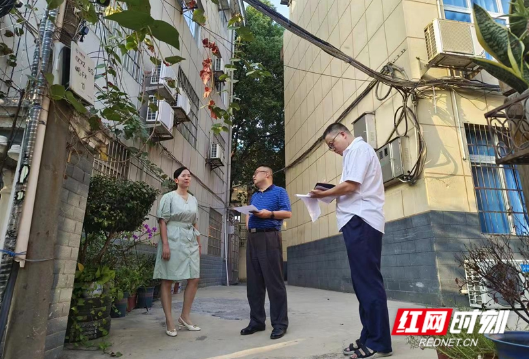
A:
x: 57, y: 92
x: 100, y: 66
x: 174, y: 59
x: 49, y: 77
x: 518, y: 16
x: 199, y: 17
x: 216, y: 2
x: 503, y: 73
x: 19, y: 31
x: 495, y: 38
x: 131, y: 19
x: 224, y: 77
x: 245, y: 33
x: 91, y: 14
x: 153, y: 107
x: 139, y: 5
x: 54, y: 4
x: 75, y: 103
x: 155, y: 61
x: 8, y: 33
x: 95, y: 123
x: 516, y: 63
x: 166, y: 33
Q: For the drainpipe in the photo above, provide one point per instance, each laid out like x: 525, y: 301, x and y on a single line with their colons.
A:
x: 228, y: 181
x: 440, y: 12
x: 458, y: 120
x: 38, y: 116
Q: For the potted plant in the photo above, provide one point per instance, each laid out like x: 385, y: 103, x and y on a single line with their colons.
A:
x: 504, y: 278
x: 91, y: 304
x: 114, y: 208
x: 146, y: 289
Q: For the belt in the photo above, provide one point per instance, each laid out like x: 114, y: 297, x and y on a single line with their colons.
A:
x: 255, y: 230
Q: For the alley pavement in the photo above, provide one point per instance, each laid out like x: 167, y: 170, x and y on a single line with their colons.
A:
x: 322, y: 323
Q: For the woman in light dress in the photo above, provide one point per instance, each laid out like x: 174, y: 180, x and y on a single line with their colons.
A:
x: 178, y: 256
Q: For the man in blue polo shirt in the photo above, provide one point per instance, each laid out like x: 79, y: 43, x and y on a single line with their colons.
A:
x: 264, y: 255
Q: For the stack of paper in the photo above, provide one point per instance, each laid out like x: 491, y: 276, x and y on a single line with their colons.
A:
x: 312, y: 204
x: 246, y: 209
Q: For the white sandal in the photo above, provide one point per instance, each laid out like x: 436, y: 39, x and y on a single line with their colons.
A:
x: 171, y: 333
x: 192, y: 328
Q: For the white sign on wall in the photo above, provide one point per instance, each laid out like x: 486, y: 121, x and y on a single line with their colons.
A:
x: 82, y: 72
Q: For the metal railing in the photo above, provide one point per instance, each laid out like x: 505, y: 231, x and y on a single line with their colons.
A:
x: 509, y: 124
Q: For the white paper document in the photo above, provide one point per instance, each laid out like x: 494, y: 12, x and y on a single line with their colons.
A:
x: 312, y: 204
x: 246, y: 209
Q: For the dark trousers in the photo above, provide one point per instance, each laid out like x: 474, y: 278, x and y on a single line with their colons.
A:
x: 264, y: 266
x: 364, y: 249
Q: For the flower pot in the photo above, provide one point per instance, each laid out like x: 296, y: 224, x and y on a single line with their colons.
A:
x: 157, y: 290
x: 145, y: 297
x: 131, y: 302
x: 94, y: 291
x: 92, y: 319
x: 119, y: 309
x: 511, y: 345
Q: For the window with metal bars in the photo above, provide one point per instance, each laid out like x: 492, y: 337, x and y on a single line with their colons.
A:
x: 499, y: 196
x: 214, y: 235
x: 113, y: 161
x: 189, y: 129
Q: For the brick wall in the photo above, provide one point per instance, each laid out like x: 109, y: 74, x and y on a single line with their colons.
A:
x: 418, y: 259
x: 70, y: 223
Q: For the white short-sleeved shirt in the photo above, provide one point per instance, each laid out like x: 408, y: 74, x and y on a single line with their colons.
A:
x: 361, y: 165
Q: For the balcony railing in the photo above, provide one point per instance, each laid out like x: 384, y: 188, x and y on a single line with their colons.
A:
x: 509, y: 125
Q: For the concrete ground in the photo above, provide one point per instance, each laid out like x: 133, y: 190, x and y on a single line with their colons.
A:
x: 322, y: 323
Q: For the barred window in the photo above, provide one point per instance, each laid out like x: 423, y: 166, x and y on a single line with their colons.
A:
x: 189, y: 128
x: 214, y: 235
x: 500, y: 200
x: 113, y: 161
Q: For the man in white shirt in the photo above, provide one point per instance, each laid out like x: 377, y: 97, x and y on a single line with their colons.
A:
x: 360, y: 217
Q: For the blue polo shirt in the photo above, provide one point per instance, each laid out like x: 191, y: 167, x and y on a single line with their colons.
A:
x: 274, y: 199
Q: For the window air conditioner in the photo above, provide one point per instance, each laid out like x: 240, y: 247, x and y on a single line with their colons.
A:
x: 452, y: 44
x: 480, y: 296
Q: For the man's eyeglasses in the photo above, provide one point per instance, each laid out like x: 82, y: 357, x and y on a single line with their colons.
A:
x: 331, y: 144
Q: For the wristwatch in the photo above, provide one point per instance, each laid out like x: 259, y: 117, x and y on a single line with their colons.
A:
x: 272, y: 216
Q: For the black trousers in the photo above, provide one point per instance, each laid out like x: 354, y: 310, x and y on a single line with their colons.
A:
x: 264, y: 266
x: 364, y: 249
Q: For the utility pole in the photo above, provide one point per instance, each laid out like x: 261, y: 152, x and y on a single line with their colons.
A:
x: 27, y: 172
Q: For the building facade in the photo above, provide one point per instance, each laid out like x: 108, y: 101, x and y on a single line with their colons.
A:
x: 180, y: 130
x: 460, y: 194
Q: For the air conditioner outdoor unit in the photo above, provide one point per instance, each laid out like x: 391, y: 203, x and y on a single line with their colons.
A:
x: 159, y: 81
x: 452, y: 44
x: 182, y: 107
x: 216, y: 155
x: 480, y: 296
x: 364, y: 126
x: 390, y: 157
x: 161, y: 120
